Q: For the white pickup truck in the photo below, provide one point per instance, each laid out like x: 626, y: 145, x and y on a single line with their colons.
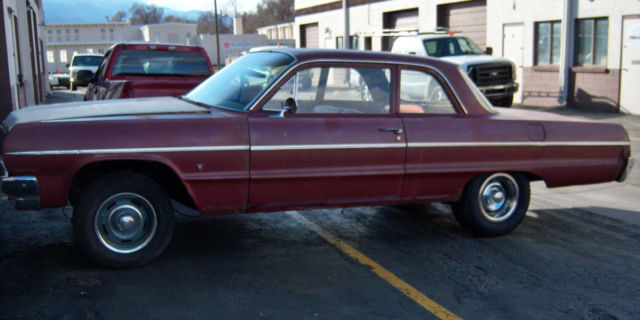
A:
x: 494, y: 76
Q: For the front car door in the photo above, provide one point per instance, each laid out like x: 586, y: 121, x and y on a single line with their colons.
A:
x: 341, y: 144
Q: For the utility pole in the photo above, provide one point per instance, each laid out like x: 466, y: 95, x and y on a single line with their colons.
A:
x: 347, y: 39
x: 215, y: 9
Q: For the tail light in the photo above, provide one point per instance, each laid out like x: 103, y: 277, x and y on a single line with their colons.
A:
x: 127, y: 91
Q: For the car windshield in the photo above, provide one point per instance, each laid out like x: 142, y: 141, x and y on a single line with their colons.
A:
x: 450, y: 46
x: 86, y: 61
x: 161, y: 63
x: 239, y: 83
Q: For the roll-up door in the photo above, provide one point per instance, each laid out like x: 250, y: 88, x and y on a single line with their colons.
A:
x: 468, y: 18
x: 402, y: 20
x: 309, y: 35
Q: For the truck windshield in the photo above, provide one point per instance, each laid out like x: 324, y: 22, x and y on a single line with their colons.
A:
x: 239, y: 83
x: 86, y: 61
x: 450, y: 46
x: 167, y: 63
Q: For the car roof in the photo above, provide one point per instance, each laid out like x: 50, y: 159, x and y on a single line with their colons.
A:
x: 142, y: 43
x: 303, y: 54
x: 88, y: 54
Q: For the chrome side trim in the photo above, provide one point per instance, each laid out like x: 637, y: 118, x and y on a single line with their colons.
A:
x: 128, y: 150
x: 516, y: 144
x: 375, y: 62
x: 328, y: 146
x: 325, y: 146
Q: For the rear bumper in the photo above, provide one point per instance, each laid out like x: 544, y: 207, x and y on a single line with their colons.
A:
x: 499, y: 90
x: 22, y: 192
x: 627, y: 170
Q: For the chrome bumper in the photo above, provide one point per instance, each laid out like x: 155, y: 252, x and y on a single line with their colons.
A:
x: 499, y: 90
x: 627, y: 170
x: 22, y: 192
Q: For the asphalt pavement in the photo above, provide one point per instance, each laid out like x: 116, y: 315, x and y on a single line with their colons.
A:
x: 575, y: 256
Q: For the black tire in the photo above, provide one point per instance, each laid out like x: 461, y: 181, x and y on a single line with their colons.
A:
x: 477, y: 213
x: 74, y: 87
x: 123, y: 219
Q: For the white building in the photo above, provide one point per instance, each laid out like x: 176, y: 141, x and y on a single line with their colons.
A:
x: 65, y: 40
x: 172, y: 32
x: 22, y: 77
x: 581, y: 52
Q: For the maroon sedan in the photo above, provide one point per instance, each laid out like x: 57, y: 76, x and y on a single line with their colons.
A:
x: 290, y: 128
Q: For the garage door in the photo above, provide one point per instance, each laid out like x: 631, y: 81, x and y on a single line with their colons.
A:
x: 469, y: 18
x: 398, y: 20
x: 401, y: 20
x: 309, y: 35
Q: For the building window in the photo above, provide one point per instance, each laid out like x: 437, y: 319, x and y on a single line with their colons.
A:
x: 90, y: 50
x: 76, y: 35
x: 353, y: 43
x: 50, y: 57
x: 592, y: 38
x: 59, y: 35
x: 340, y: 42
x: 548, y: 36
x: 63, y: 55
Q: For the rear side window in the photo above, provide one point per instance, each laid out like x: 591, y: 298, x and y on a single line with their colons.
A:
x: 86, y: 61
x: 161, y: 63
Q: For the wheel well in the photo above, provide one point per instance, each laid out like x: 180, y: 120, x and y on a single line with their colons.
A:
x: 161, y: 173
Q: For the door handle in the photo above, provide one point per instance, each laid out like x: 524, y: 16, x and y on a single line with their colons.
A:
x: 394, y: 130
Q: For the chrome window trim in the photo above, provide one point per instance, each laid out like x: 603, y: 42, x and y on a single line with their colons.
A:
x: 516, y: 144
x: 254, y: 103
x: 326, y: 146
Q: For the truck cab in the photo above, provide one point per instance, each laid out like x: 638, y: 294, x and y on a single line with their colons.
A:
x: 494, y: 76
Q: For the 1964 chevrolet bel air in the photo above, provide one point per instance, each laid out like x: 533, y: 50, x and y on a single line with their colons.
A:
x: 289, y: 128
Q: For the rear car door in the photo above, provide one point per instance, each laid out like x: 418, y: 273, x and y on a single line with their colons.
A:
x: 342, y: 145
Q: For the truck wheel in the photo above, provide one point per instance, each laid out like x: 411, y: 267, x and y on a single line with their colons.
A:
x: 493, y: 204
x: 74, y: 87
x: 124, y: 219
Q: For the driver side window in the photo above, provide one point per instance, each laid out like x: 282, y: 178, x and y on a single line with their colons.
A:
x: 328, y: 90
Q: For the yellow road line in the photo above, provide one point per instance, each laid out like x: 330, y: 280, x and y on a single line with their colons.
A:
x: 411, y: 292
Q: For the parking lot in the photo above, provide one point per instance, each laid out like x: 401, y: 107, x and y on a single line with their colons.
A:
x: 575, y: 256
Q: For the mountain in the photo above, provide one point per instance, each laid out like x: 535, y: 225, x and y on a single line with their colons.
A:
x: 91, y: 11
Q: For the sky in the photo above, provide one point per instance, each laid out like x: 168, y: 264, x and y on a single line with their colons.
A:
x: 186, y: 5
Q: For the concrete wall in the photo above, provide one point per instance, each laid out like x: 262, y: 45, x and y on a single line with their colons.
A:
x: 231, y: 46
x: 23, y: 80
x: 178, y: 33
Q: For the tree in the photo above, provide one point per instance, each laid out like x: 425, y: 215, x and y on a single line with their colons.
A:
x: 119, y: 16
x: 145, y: 14
x: 207, y: 23
x: 268, y: 12
x: 172, y: 18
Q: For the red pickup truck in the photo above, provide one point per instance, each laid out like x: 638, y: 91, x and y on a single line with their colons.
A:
x: 135, y: 70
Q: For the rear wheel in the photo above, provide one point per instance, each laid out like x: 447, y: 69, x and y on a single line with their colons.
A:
x: 493, y: 204
x: 123, y: 219
x: 74, y: 87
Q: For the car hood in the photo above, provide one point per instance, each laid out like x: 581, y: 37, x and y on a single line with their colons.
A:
x: 464, y: 61
x: 103, y: 108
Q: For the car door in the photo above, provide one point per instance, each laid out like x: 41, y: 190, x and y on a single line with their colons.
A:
x: 341, y: 144
x: 437, y: 165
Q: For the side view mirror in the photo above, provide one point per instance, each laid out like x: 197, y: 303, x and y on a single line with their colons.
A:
x: 67, y: 65
x: 289, y: 106
x: 488, y: 51
x: 85, y: 76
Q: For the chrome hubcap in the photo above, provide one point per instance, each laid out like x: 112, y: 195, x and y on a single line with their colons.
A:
x: 125, y: 222
x: 498, y: 197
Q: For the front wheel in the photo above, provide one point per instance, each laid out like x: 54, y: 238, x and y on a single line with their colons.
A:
x: 124, y: 219
x: 493, y: 204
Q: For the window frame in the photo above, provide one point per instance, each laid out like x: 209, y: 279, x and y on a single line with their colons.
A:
x: 594, y: 37
x: 459, y: 111
x: 551, y: 42
x: 393, y: 94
